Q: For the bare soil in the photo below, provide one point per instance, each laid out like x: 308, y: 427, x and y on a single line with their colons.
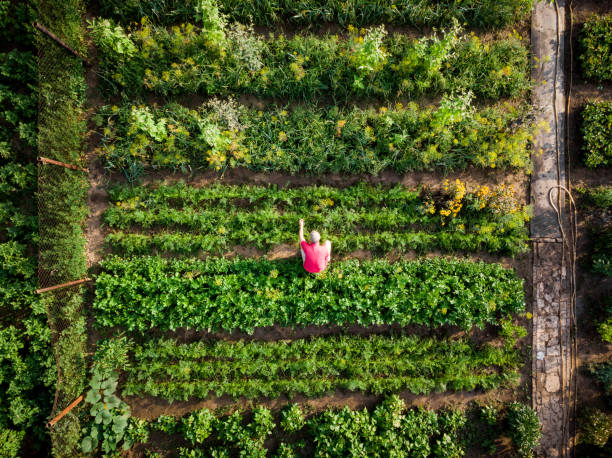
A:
x: 472, y: 177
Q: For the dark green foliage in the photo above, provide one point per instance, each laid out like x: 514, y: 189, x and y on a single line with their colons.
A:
x: 596, y: 48
x: 417, y: 13
x: 602, y: 251
x: 217, y: 293
x: 376, y: 364
x: 595, y: 427
x: 597, y: 134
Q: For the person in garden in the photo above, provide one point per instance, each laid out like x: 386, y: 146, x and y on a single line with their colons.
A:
x: 315, y: 256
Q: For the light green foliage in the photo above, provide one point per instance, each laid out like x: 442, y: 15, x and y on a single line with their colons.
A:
x: 110, y: 416
x: 292, y: 418
x: 597, y: 132
x: 524, y: 428
x: 317, y: 140
x: 416, y: 13
x: 111, y: 355
x: 218, y: 293
x: 10, y: 442
x: 314, y: 367
x: 111, y: 38
x: 595, y: 427
x: 214, y: 219
x: 184, y: 60
x: 198, y: 426
x: 596, y: 48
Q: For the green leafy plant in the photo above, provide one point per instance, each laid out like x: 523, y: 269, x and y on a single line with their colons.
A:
x: 110, y: 416
x: 596, y: 133
x: 596, y: 48
x: 292, y: 418
x: 198, y: 426
x: 524, y: 428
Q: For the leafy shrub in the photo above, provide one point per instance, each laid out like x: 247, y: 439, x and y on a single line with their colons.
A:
x: 184, y: 60
x: 595, y: 427
x: 596, y: 48
x: 376, y: 364
x: 417, y: 13
x: 596, y: 132
x: 244, y: 294
x: 524, y: 428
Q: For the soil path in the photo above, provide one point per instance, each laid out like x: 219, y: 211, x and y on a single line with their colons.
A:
x: 552, y: 396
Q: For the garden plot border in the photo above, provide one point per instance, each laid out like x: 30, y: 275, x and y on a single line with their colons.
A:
x: 552, y: 395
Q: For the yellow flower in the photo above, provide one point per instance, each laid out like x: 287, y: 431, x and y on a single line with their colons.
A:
x: 444, y: 310
x: 282, y: 136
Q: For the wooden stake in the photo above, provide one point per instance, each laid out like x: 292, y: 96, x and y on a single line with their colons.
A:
x: 61, y: 164
x: 61, y: 415
x: 60, y: 42
x: 63, y: 285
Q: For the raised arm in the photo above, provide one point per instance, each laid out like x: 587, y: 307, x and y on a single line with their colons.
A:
x: 302, y: 239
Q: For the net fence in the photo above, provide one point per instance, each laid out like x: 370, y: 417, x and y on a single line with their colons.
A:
x: 62, y: 209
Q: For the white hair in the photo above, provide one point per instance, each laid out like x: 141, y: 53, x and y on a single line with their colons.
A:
x: 314, y: 237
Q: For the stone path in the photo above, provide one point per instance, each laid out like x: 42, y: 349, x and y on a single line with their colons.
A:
x: 551, y: 379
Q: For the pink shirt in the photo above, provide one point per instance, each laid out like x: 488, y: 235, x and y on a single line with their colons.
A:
x: 316, y: 257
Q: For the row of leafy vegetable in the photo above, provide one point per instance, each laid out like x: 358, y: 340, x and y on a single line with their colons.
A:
x: 140, y: 293
x: 387, y: 428
x: 222, y: 59
x: 222, y: 134
x: 417, y: 13
x: 321, y: 365
x: 215, y: 218
x: 27, y: 369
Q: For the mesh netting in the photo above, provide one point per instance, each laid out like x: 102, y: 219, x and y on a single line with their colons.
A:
x: 62, y: 194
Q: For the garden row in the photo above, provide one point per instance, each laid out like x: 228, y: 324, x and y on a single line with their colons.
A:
x: 222, y: 134
x: 417, y: 13
x: 242, y: 294
x: 389, y: 429
x: 27, y: 369
x: 220, y: 59
x: 215, y: 218
x: 375, y: 364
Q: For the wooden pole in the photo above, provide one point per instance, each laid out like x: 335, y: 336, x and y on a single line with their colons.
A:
x: 61, y: 415
x: 60, y: 42
x: 63, y: 285
x: 61, y: 164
